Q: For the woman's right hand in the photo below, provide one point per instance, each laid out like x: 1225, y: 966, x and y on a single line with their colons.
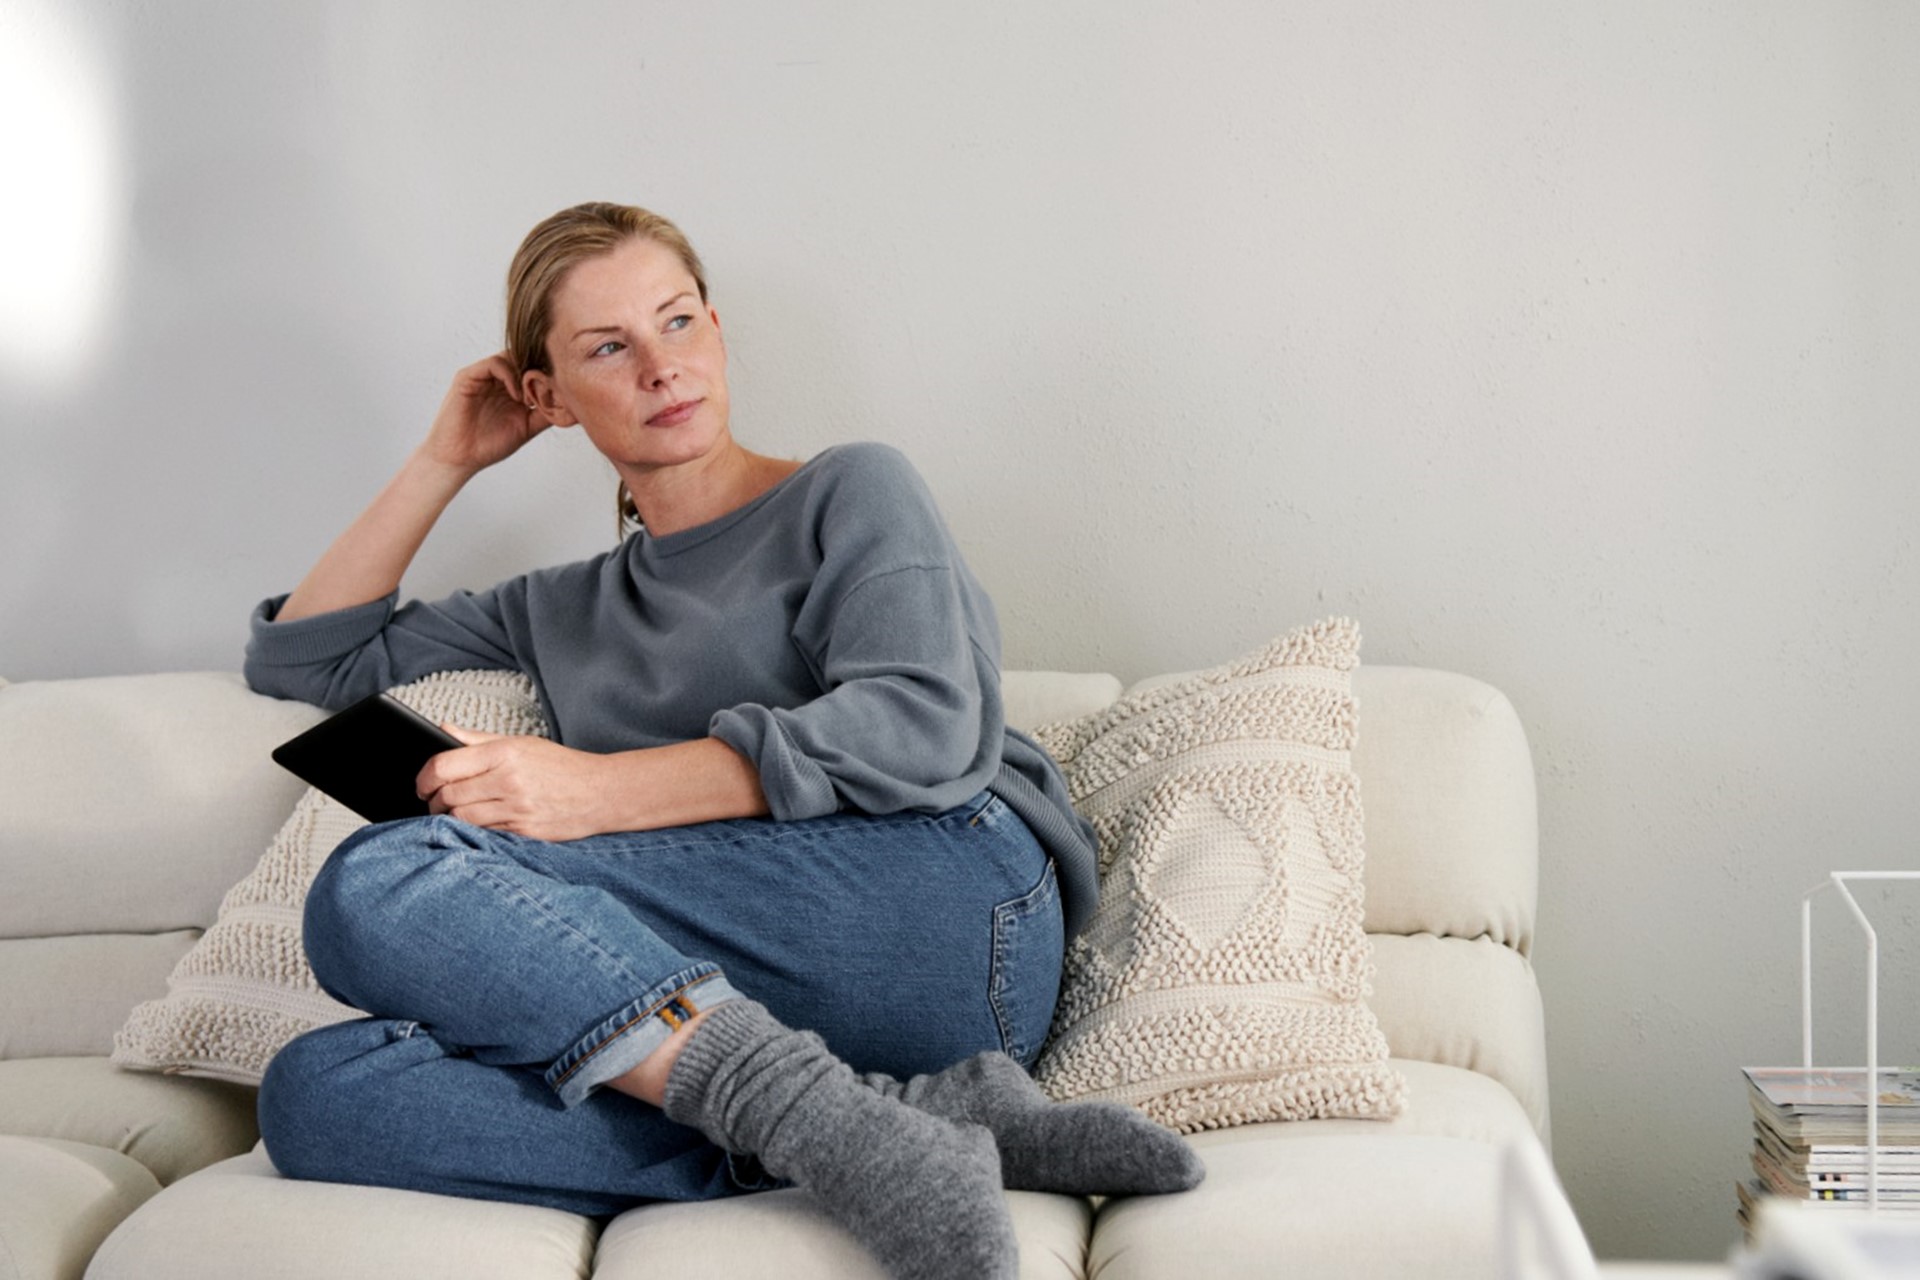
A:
x: 483, y: 420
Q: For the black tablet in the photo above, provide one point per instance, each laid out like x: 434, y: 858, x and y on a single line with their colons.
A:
x: 368, y: 756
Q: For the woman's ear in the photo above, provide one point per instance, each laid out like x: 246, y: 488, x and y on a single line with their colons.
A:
x: 543, y: 398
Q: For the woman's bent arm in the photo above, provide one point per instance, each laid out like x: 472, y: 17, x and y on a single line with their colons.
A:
x: 368, y: 560
x: 482, y: 420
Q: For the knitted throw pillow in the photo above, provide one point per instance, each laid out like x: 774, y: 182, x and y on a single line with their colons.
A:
x: 245, y: 988
x: 1223, y: 976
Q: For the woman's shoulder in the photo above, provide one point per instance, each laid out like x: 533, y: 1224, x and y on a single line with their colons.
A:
x: 573, y: 580
x: 869, y: 505
x: 863, y: 460
x: 867, y: 476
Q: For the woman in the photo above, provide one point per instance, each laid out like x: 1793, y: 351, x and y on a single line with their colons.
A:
x: 781, y: 827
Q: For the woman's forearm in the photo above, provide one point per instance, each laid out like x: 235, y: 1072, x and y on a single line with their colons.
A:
x: 700, y: 781
x: 481, y: 421
x: 367, y: 561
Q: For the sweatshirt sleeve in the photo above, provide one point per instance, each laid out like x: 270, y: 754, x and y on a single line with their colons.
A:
x: 334, y: 659
x: 906, y: 649
x: 906, y: 723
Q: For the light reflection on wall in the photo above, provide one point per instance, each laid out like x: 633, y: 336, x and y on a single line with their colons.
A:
x: 61, y: 212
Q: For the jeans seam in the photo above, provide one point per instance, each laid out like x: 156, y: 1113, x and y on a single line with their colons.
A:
x: 1005, y: 915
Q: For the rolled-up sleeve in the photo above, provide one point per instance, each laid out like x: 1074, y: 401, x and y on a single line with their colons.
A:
x: 911, y: 717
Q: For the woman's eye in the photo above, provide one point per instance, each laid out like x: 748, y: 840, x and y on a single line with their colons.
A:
x: 679, y: 322
x: 606, y: 348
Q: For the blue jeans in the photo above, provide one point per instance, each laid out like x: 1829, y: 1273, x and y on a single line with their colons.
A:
x: 509, y: 978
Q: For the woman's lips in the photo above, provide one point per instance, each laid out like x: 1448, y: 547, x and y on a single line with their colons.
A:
x: 674, y: 414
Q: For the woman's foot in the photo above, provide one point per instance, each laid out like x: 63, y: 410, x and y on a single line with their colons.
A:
x: 922, y: 1192
x: 1077, y: 1148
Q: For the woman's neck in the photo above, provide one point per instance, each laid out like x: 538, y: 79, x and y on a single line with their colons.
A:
x: 670, y: 499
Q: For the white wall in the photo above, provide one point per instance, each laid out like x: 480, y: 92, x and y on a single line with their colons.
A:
x: 1568, y: 345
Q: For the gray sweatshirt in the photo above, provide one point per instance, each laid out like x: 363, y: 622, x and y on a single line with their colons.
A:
x: 828, y: 631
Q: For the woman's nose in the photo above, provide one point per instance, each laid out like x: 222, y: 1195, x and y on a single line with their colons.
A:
x: 654, y: 367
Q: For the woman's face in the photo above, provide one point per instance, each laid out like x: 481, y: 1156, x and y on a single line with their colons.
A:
x: 637, y: 358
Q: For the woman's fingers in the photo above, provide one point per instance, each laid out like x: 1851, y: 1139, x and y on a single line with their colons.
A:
x: 455, y: 764
x: 529, y: 786
x: 484, y: 417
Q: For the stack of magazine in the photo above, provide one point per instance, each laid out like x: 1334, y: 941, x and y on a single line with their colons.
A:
x: 1810, y: 1137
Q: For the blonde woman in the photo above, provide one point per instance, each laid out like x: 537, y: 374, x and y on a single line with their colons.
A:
x: 782, y: 900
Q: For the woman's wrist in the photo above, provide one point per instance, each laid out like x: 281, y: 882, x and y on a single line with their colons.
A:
x: 436, y: 475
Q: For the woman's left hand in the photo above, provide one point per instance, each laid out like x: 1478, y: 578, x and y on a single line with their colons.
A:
x: 528, y: 786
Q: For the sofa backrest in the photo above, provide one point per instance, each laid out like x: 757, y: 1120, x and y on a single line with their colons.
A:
x: 1453, y: 856
x: 129, y: 805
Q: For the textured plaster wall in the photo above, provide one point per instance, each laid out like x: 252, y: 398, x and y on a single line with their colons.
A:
x: 1571, y: 346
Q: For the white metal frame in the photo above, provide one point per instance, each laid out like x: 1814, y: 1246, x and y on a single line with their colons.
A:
x: 1839, y: 881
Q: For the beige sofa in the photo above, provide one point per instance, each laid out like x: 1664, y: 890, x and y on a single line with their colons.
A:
x: 128, y: 805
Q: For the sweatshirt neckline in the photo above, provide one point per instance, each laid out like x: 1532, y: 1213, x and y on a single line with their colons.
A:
x: 674, y: 543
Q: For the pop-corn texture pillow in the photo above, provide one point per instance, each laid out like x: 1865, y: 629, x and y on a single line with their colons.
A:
x: 1223, y: 978
x: 245, y: 988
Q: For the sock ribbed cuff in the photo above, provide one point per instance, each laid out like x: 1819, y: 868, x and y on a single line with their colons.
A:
x: 727, y: 1031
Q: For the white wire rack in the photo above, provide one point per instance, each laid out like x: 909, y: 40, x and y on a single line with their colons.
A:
x: 1839, y: 881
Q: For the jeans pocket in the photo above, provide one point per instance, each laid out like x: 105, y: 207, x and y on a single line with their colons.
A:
x: 1028, y: 945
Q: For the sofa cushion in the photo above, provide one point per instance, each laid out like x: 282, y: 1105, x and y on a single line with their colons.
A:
x: 1222, y: 978
x: 1453, y: 840
x: 170, y: 1125
x: 783, y: 1233
x: 58, y: 1201
x: 246, y: 989
x: 65, y: 997
x: 1310, y: 1198
x: 239, y: 1220
x: 178, y: 796
x: 1327, y: 1207
x: 1464, y: 1002
x: 1442, y: 1102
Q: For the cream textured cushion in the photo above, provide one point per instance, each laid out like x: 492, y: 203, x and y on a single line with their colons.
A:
x: 1223, y: 976
x: 245, y: 988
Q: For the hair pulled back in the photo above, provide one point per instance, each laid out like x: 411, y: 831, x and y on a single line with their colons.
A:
x: 561, y: 243
x: 557, y: 246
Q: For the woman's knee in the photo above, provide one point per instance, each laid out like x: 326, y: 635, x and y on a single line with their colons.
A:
x: 353, y: 902
x: 306, y: 1104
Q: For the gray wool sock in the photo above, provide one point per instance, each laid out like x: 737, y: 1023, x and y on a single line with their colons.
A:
x: 1076, y: 1148
x: 922, y: 1193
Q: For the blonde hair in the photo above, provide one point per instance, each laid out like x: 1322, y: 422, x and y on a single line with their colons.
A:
x: 557, y: 246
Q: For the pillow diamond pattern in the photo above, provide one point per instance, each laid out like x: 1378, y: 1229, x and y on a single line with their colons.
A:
x: 1222, y: 979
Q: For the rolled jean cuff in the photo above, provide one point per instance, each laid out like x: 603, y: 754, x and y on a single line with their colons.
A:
x: 633, y: 1032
